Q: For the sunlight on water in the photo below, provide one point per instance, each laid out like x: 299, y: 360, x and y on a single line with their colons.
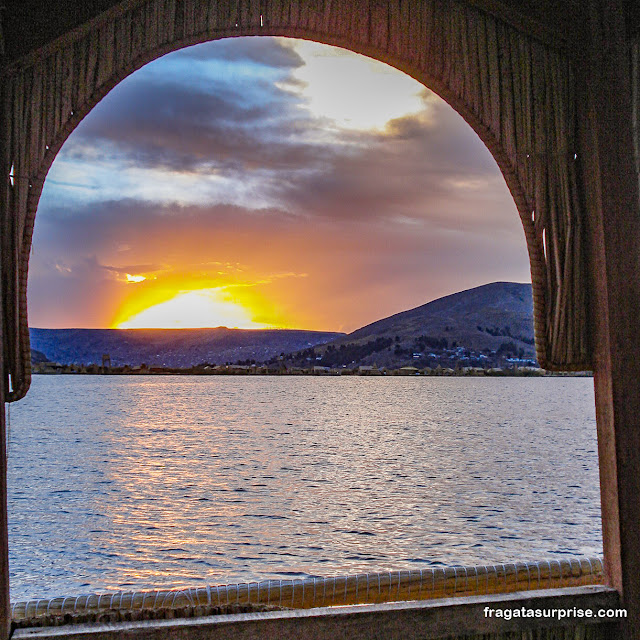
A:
x: 139, y: 482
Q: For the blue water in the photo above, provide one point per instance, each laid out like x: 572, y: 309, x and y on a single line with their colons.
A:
x: 147, y: 481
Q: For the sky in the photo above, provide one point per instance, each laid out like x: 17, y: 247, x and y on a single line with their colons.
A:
x: 267, y: 182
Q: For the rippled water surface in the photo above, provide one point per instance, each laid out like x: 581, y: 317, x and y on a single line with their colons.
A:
x: 137, y: 482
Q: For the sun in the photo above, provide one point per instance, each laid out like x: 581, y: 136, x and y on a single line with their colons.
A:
x: 194, y: 310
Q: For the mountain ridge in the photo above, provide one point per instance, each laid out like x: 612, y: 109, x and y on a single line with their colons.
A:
x: 482, y: 326
x: 170, y: 347
x: 489, y: 301
x: 477, y: 326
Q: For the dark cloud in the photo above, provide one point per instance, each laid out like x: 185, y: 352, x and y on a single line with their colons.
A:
x: 260, y: 51
x: 127, y: 232
x: 441, y: 173
x: 185, y: 129
x: 133, y: 229
x: 83, y: 295
x: 443, y: 135
x: 177, y: 127
x: 203, y: 116
x: 132, y: 269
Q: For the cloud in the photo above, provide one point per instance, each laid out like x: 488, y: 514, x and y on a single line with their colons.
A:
x: 209, y: 107
x: 440, y: 174
x: 267, y: 52
x: 425, y: 166
x: 186, y: 129
x: 233, y: 141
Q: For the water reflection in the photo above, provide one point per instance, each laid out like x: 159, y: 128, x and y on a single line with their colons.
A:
x: 123, y: 482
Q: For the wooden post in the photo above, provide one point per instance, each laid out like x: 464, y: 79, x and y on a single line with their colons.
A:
x: 5, y: 613
x: 613, y: 244
x: 5, y: 618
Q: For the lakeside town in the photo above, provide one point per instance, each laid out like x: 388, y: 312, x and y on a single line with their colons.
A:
x: 274, y: 370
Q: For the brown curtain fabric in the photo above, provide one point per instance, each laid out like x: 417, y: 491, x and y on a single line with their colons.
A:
x: 635, y: 97
x: 14, y: 197
x: 517, y: 93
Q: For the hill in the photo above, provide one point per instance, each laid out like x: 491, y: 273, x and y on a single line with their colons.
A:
x: 37, y: 357
x: 478, y: 327
x: 171, y: 347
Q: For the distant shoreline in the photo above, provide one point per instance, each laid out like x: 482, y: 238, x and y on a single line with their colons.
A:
x: 240, y: 370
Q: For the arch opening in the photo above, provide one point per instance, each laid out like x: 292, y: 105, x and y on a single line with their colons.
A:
x: 133, y: 283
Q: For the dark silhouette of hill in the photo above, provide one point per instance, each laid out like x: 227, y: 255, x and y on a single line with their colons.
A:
x: 171, y: 347
x: 499, y: 305
x: 37, y: 357
x: 480, y: 326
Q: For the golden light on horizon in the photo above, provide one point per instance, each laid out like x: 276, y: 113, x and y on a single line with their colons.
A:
x: 194, y: 310
x: 131, y: 278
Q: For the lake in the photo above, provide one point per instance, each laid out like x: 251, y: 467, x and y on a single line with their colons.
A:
x: 136, y: 482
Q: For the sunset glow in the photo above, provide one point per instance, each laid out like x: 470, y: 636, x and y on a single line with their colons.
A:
x: 135, y: 279
x: 193, y: 310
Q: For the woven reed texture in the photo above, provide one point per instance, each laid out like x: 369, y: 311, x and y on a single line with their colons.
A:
x: 415, y: 584
x: 635, y: 97
x: 517, y: 93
